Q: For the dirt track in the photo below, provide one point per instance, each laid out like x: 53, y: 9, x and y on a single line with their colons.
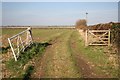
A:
x: 62, y: 60
x: 57, y: 61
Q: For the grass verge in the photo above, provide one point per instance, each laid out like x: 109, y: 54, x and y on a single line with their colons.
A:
x: 94, y: 55
x: 20, y: 68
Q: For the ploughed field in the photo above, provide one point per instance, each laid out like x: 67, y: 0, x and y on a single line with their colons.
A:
x: 56, y: 53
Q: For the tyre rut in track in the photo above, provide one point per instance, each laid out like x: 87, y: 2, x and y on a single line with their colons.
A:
x: 86, y: 70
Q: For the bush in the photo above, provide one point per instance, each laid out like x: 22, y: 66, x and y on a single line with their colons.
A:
x: 81, y: 24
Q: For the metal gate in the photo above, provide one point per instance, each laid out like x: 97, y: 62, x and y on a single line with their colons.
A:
x: 20, y: 41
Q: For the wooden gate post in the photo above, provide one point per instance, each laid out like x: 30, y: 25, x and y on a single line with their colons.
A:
x: 109, y: 38
x: 86, y: 38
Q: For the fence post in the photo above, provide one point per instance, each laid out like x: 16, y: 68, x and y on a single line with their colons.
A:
x: 31, y: 37
x: 109, y: 38
x: 86, y: 39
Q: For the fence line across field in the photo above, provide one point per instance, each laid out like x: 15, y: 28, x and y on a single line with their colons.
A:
x: 97, y: 37
x: 17, y: 43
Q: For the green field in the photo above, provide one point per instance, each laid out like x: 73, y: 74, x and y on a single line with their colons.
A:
x: 57, y: 53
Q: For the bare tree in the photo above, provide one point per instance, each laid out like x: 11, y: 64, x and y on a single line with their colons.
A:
x: 81, y: 24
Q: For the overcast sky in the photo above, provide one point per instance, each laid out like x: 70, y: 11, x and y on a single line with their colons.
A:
x: 58, y: 13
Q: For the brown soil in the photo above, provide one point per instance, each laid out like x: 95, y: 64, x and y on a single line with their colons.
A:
x: 42, y: 63
x: 55, y: 64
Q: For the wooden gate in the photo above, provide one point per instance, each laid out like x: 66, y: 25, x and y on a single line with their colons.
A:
x: 97, y: 37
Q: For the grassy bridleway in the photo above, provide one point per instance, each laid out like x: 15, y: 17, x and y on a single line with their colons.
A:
x: 57, y: 61
x: 67, y: 57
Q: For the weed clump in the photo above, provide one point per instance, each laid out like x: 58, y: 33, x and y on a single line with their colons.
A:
x: 17, y: 67
x: 28, y: 72
x: 4, y: 49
